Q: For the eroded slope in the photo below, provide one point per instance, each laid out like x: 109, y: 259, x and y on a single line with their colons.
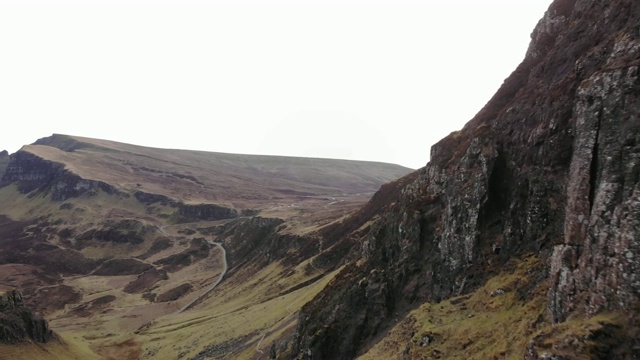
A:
x: 549, y: 167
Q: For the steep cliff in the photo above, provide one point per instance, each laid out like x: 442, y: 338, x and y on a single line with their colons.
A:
x: 4, y: 161
x: 204, y: 212
x: 31, y: 172
x: 18, y: 322
x: 550, y: 166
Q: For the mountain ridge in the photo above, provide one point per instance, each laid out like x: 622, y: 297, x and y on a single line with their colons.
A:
x: 274, y: 173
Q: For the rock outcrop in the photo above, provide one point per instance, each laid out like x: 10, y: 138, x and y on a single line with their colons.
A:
x: 549, y: 166
x: 598, y: 264
x: 174, y: 293
x: 18, y: 323
x: 31, y: 172
x: 63, y: 142
x: 119, y: 267
x: 259, y: 239
x: 203, y: 212
x: 148, y: 199
x: 4, y: 161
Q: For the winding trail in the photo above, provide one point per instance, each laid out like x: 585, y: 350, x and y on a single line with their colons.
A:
x: 260, y: 342
x: 225, y: 267
x: 212, y: 286
x: 314, y: 266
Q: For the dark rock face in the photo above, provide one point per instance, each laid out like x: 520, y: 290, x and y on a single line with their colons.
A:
x: 4, y: 161
x: 599, y: 259
x: 190, y: 212
x: 18, y: 323
x: 117, y: 267
x: 10, y: 300
x: 550, y: 166
x: 259, y: 239
x: 62, y: 142
x: 175, y: 293
x: 148, y: 199
x: 204, y: 212
x: 31, y: 172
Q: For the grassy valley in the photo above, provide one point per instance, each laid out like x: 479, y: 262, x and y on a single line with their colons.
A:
x: 119, y: 246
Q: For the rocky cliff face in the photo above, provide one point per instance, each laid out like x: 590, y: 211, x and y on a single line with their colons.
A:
x: 4, y: 161
x: 18, y: 323
x: 551, y: 166
x: 597, y: 265
x: 30, y: 172
x: 258, y: 239
x: 203, y: 212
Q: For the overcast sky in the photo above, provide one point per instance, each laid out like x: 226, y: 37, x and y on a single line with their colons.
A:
x: 364, y: 80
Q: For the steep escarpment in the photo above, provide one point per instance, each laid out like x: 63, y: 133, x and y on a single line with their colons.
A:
x: 598, y: 262
x: 4, y: 161
x: 18, y: 322
x: 204, y: 177
x: 204, y: 212
x: 261, y: 241
x: 548, y: 167
x: 31, y: 172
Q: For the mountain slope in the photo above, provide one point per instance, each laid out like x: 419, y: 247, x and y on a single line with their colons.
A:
x: 211, y: 176
x: 519, y: 239
x: 125, y: 249
x: 548, y: 168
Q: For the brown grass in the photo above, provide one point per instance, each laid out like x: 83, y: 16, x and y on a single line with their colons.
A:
x: 252, y: 303
x: 196, y: 176
x: 475, y: 326
x: 63, y: 348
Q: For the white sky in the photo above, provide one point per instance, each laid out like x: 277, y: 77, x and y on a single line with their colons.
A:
x: 363, y: 80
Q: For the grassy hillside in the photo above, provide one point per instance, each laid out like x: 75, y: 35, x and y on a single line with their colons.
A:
x: 111, y: 242
x: 196, y: 176
x: 496, y: 321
